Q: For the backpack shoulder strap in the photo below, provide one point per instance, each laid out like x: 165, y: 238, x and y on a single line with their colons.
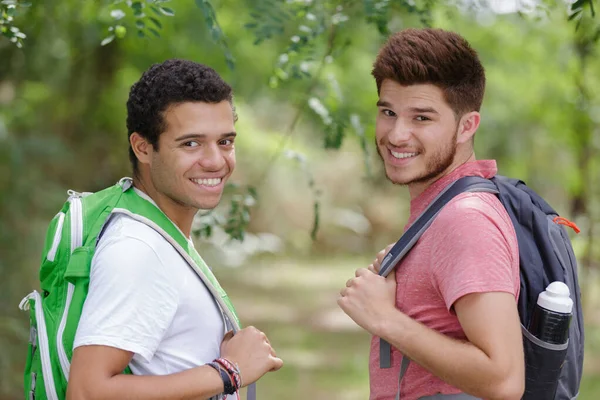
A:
x: 141, y: 210
x: 416, y: 230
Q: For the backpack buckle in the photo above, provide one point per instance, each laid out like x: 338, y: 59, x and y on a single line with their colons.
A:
x: 125, y: 183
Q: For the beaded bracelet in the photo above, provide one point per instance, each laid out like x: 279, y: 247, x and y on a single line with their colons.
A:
x: 228, y: 387
x: 233, y: 370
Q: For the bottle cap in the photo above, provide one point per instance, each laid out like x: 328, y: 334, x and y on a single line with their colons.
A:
x: 556, y: 298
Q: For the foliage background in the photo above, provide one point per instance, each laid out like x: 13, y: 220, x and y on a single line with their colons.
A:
x: 306, y: 160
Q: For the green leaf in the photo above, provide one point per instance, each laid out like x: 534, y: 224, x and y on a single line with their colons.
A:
x: 215, y: 30
x: 167, y: 11
x: 252, y: 191
x: 230, y: 61
x: 575, y: 14
x: 156, y: 22
x: 141, y: 34
x: 215, y: 33
x: 156, y: 10
x: 137, y: 5
x: 107, y: 40
x: 140, y: 24
x: 155, y: 32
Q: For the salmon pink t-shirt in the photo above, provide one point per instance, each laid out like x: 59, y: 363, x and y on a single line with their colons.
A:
x: 471, y: 247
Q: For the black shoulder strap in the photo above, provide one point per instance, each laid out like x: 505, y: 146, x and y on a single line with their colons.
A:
x: 414, y: 232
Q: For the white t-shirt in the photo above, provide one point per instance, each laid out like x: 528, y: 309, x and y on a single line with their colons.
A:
x: 144, y: 298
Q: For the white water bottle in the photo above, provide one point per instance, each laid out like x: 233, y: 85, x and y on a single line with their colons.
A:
x: 552, y: 314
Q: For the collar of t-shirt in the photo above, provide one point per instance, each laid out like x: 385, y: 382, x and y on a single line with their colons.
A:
x: 482, y: 168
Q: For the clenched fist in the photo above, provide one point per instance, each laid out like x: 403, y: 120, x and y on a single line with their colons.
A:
x: 251, y: 351
x: 369, y: 299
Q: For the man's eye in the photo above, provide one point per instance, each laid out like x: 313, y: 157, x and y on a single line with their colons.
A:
x: 226, y: 142
x: 389, y: 113
x: 422, y: 118
x: 191, y: 143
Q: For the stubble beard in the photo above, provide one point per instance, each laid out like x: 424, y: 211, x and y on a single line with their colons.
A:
x: 435, y: 166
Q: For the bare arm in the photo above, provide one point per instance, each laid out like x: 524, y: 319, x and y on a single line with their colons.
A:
x: 96, y: 373
x: 489, y: 365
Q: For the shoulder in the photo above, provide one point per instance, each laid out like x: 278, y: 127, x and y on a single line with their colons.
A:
x: 473, y: 248
x: 473, y: 209
x: 132, y: 248
x: 121, y: 227
x: 471, y: 221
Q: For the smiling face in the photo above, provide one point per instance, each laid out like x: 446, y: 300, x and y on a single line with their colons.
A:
x: 418, y: 136
x: 196, y: 154
x: 193, y: 160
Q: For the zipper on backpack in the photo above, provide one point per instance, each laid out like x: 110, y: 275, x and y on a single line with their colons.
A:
x: 76, y: 222
x: 76, y: 241
x: 42, y: 340
x: 62, y: 353
x: 32, y: 387
x: 57, y: 236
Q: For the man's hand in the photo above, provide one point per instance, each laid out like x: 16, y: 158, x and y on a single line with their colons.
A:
x: 251, y: 351
x: 376, y: 264
x: 369, y: 299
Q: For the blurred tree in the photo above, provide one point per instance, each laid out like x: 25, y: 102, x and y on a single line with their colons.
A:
x: 314, y: 34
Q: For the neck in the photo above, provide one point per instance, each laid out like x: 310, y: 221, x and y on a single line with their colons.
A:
x: 415, y: 189
x: 180, y: 215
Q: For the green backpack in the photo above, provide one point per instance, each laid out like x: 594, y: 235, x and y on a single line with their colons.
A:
x: 64, y: 276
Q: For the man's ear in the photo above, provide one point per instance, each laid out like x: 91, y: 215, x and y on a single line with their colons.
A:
x: 467, y: 127
x: 142, y: 149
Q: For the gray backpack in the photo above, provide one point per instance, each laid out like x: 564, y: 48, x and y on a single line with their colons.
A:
x: 545, y: 255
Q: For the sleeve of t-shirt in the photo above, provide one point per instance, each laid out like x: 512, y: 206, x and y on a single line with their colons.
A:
x: 131, y: 301
x: 470, y: 252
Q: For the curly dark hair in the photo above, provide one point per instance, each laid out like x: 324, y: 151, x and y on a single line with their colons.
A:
x: 442, y: 58
x: 163, y: 85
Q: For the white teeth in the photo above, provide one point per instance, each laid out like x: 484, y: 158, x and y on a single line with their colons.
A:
x: 403, y: 155
x: 207, y: 182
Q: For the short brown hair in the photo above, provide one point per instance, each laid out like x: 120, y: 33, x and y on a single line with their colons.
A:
x: 434, y: 56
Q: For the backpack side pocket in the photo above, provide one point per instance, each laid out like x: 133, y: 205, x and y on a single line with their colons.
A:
x: 543, y: 365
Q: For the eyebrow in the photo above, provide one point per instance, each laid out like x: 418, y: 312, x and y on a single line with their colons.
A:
x: 431, y: 110
x: 189, y: 136
x: 423, y: 110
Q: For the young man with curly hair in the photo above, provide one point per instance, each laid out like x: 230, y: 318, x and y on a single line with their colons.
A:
x: 451, y: 305
x: 146, y: 309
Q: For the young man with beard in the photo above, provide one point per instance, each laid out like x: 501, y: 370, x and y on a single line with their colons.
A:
x: 146, y: 309
x: 451, y: 305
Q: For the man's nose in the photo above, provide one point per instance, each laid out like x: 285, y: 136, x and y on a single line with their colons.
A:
x: 401, y: 132
x: 212, y: 158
